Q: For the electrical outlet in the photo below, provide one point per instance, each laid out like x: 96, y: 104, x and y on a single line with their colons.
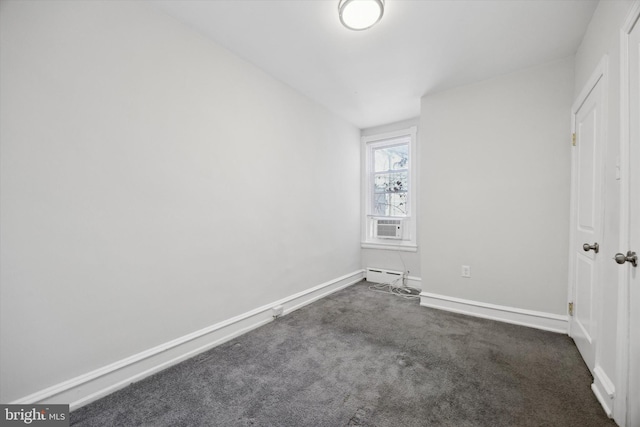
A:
x: 466, y: 271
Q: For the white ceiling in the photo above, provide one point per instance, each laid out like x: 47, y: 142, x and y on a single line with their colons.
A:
x: 377, y: 76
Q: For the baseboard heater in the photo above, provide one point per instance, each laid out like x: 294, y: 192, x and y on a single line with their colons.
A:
x: 377, y: 275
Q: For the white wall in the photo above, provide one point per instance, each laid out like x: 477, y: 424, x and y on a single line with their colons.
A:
x: 393, y: 260
x: 152, y: 184
x: 603, y: 38
x: 495, y: 187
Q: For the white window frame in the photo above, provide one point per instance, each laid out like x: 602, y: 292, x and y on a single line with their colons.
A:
x: 409, y: 240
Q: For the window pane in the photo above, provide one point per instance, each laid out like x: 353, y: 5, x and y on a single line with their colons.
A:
x: 390, y: 204
x: 391, y: 158
x: 390, y: 182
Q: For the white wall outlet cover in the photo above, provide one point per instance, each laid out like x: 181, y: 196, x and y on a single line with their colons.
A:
x: 277, y: 311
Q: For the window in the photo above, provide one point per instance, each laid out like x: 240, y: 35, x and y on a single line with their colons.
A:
x: 389, y: 191
x: 390, y: 179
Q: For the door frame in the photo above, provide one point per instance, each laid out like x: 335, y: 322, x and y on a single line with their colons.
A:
x: 623, y: 356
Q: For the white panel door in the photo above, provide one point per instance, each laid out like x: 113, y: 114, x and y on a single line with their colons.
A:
x: 586, y: 219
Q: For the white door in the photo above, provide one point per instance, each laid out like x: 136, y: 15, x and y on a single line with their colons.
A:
x: 586, y: 228
x: 631, y: 273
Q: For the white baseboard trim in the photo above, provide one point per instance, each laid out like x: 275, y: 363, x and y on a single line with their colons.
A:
x: 517, y: 316
x: 93, y: 385
x: 604, y: 390
x: 414, y: 282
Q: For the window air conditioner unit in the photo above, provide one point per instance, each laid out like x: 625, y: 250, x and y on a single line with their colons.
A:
x: 388, y: 228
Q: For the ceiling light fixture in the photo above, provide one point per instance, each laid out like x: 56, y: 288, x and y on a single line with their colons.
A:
x: 359, y: 15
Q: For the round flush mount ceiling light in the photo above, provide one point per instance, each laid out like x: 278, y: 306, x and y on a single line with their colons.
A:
x: 359, y: 15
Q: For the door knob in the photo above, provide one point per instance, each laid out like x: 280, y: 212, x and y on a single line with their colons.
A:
x: 595, y: 247
x: 630, y: 257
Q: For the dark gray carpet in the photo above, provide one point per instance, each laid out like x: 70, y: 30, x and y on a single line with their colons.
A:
x: 367, y: 359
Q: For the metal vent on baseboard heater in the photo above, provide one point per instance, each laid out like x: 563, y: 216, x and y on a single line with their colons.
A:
x: 389, y: 228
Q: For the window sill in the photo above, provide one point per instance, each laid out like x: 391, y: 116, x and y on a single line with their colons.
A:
x: 396, y: 246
